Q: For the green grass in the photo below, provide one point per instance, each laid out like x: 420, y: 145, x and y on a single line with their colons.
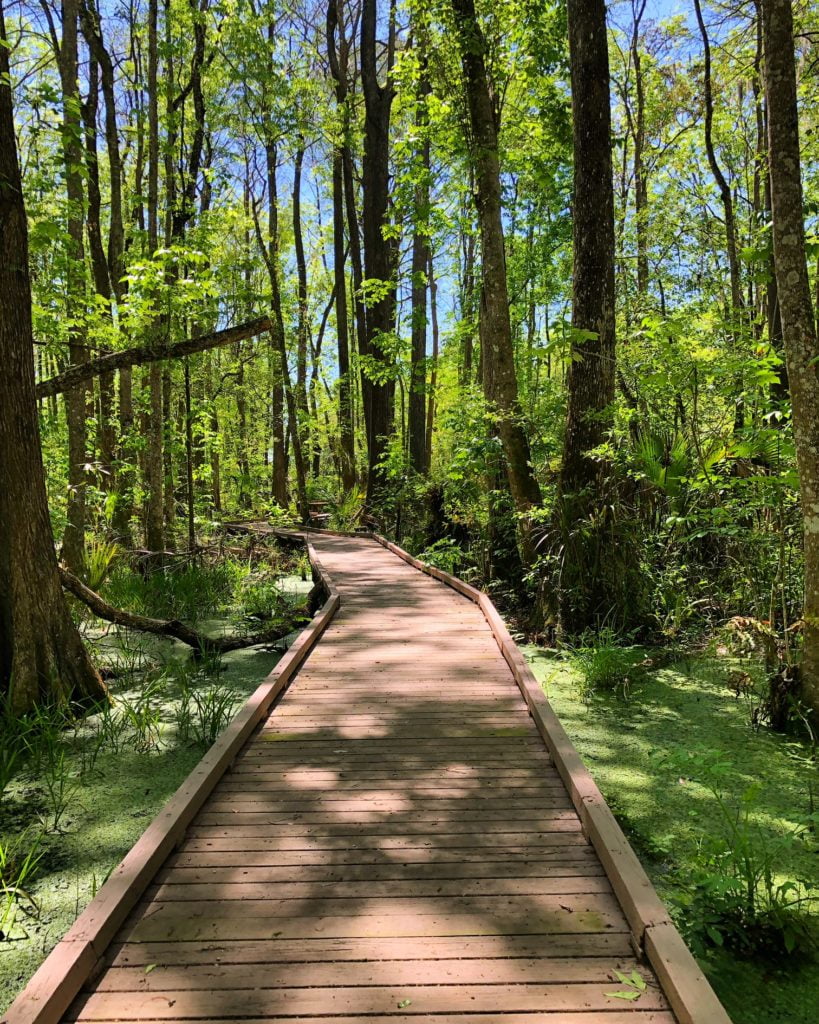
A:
x: 634, y: 749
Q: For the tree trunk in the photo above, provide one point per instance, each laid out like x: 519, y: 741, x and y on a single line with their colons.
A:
x: 420, y: 267
x: 723, y: 186
x: 585, y: 596
x: 301, y: 298
x: 270, y: 255
x: 106, y: 434
x: 74, y: 536
x: 380, y: 252
x: 42, y: 657
x: 345, y: 415
x: 499, y: 379
x: 154, y: 352
x: 154, y: 521
x: 338, y: 54
x: 640, y: 184
x: 798, y: 326
x: 433, y: 377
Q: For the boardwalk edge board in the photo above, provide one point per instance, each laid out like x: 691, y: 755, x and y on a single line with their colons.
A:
x: 688, y: 991
x: 76, y: 957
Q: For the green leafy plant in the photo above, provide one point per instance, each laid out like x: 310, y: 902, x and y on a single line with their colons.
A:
x: 202, y: 714
x: 60, y: 787
x: 143, y: 715
x: 734, y: 896
x: 345, y: 515
x: 445, y: 554
x: 100, y: 557
x: 605, y: 663
x: 19, y: 860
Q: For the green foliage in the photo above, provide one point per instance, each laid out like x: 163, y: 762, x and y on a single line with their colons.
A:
x: 202, y: 713
x: 445, y: 554
x: 605, y: 663
x: 186, y: 590
x: 100, y: 558
x: 345, y: 514
x: 734, y: 895
x: 19, y: 861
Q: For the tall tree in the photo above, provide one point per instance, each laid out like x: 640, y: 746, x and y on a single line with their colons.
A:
x: 154, y: 469
x: 338, y: 52
x: 584, y: 597
x: 420, y: 268
x: 380, y: 250
x: 798, y: 324
x: 727, y: 199
x: 498, y: 356
x: 42, y: 657
x: 75, y: 400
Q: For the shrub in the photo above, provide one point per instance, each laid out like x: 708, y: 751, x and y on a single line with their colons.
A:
x: 605, y: 663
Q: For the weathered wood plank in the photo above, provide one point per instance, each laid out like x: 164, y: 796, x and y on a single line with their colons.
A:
x: 607, y: 945
x: 202, y: 1005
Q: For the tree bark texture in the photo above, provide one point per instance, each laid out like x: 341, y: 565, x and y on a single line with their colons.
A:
x: 498, y: 357
x: 74, y: 536
x: 154, y: 352
x: 420, y: 267
x: 42, y: 657
x: 798, y: 325
x: 585, y: 594
x: 379, y: 252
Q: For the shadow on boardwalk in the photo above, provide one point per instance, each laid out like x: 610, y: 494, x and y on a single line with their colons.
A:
x: 394, y: 842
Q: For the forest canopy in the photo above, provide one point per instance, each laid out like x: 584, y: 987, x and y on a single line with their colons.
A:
x: 529, y: 286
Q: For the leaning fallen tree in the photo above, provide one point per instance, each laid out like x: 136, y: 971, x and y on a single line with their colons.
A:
x: 176, y: 630
x: 142, y: 355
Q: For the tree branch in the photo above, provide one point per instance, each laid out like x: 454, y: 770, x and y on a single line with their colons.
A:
x: 154, y: 353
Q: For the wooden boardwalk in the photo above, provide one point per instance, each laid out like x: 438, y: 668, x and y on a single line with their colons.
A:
x: 393, y: 843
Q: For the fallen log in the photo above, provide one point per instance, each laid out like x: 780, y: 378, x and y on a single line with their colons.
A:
x: 173, y: 628
x: 144, y: 354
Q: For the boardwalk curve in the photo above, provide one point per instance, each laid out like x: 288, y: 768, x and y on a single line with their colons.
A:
x: 407, y: 836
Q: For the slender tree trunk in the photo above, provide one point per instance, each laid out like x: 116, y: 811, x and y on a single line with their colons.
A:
x: 91, y: 27
x: 345, y: 416
x: 106, y: 434
x: 762, y: 209
x: 190, y: 494
x: 270, y: 254
x: 154, y: 524
x: 737, y: 303
x: 433, y: 377
x: 420, y: 267
x: 303, y: 326
x: 640, y: 184
x: 42, y: 657
x: 338, y: 54
x: 499, y: 379
x: 798, y: 325
x: 75, y: 400
x: 380, y: 252
x: 585, y: 594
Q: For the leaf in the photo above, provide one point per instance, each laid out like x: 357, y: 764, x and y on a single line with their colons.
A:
x: 403, y: 1003
x: 630, y: 996
x: 150, y: 967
